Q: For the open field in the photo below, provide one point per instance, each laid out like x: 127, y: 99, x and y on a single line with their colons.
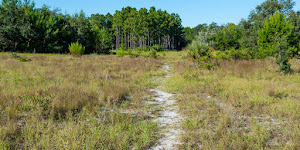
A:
x: 238, y: 105
x: 100, y: 102
x: 124, y: 75
x: 65, y: 102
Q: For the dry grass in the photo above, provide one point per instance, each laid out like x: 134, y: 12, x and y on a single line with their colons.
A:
x: 64, y: 102
x: 238, y: 105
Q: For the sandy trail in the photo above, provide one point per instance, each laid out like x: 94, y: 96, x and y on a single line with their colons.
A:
x: 169, y: 118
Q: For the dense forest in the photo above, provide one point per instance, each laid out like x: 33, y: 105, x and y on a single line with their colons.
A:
x: 25, y: 28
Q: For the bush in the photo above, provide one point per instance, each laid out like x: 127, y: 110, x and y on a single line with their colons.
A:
x: 158, y: 48
x: 76, y: 49
x: 147, y: 48
x: 22, y: 59
x: 153, y: 54
x: 120, y: 53
x: 197, y: 49
x: 292, y: 51
x: 235, y: 54
x: 138, y: 49
x: 129, y: 51
x: 239, y: 54
x: 14, y: 55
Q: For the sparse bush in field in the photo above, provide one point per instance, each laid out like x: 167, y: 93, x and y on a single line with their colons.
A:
x: 147, y: 48
x: 76, y: 49
x: 138, y: 49
x: 36, y: 102
x: 134, y: 54
x: 201, y: 53
x: 120, y: 53
x: 129, y: 51
x: 158, y: 48
x: 240, y: 54
x: 153, y: 54
x: 14, y: 55
x: 197, y: 49
x: 220, y: 55
x: 234, y: 54
x: 209, y: 66
x: 22, y: 59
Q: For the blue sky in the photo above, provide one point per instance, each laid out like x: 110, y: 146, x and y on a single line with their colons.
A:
x: 192, y: 12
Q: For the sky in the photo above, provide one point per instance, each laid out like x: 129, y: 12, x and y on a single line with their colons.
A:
x: 191, y: 12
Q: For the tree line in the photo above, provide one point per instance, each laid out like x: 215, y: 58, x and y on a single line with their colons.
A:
x: 245, y: 35
x: 271, y: 30
x: 25, y: 28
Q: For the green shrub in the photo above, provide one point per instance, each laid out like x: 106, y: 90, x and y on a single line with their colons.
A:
x: 22, y: 59
x: 147, y: 48
x: 129, y: 51
x: 197, y: 49
x: 76, y: 49
x: 14, y: 55
x: 158, y: 48
x: 239, y: 54
x: 208, y: 65
x: 153, y: 53
x: 235, y: 54
x: 292, y: 51
x: 138, y: 49
x: 220, y: 55
x: 120, y: 53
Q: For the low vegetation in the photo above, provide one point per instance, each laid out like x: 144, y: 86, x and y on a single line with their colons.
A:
x: 236, y: 85
x: 76, y: 49
x: 64, y: 102
x: 240, y: 104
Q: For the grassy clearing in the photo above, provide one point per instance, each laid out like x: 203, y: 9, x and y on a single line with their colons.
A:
x: 237, y: 105
x: 64, y: 102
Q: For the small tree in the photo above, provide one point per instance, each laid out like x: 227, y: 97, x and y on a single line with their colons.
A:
x: 275, y: 28
x: 76, y: 49
x: 272, y: 39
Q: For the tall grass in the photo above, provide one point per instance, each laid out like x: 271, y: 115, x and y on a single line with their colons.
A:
x: 58, y: 102
x: 241, y: 104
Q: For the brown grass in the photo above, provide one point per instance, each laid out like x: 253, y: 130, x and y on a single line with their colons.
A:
x: 58, y: 88
x: 238, y: 105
